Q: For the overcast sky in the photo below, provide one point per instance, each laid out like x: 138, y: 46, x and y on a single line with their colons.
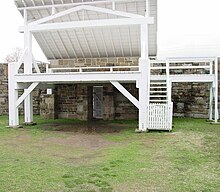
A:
x: 186, y: 28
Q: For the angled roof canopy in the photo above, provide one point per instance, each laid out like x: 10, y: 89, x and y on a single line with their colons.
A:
x: 85, y: 40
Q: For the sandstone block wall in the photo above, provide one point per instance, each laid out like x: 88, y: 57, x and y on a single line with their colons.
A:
x: 3, y: 89
x: 71, y: 101
x: 190, y: 99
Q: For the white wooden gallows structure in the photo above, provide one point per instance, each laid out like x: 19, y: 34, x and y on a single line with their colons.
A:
x: 67, y: 29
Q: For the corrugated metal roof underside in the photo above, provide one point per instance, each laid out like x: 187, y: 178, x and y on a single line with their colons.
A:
x: 114, y: 41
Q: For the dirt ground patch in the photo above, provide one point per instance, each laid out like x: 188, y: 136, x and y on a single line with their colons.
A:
x: 87, y: 135
x: 86, y: 127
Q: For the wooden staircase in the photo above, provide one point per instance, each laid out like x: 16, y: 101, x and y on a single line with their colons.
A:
x: 158, y: 91
x: 160, y: 106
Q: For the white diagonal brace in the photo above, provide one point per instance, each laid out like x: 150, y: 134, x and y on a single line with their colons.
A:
x: 35, y: 64
x: 26, y: 93
x: 57, y: 15
x: 21, y: 60
x: 125, y: 93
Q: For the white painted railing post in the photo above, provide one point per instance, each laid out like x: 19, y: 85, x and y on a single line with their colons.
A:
x: 216, y: 90
x: 211, y: 93
x: 48, y: 70
x: 13, y: 96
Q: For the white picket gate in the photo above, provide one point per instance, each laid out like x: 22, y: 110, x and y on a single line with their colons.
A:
x: 160, y: 116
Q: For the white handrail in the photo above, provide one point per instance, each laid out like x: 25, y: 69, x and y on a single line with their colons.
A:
x: 81, y: 69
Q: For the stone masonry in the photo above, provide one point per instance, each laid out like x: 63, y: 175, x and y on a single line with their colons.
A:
x: 3, y: 89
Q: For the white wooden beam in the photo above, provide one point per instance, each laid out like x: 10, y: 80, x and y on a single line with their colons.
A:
x: 85, y: 24
x: 26, y: 93
x: 144, y: 81
x: 130, y: 97
x: 78, y: 77
x: 28, y: 60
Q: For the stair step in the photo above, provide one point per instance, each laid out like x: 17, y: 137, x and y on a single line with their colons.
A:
x: 158, y: 95
x: 156, y: 83
x: 158, y: 101
x: 158, y: 91
x: 159, y: 87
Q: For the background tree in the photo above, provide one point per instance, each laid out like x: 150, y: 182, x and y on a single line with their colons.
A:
x: 14, y: 55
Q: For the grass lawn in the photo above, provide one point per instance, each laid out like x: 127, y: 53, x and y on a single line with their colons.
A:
x: 69, y: 155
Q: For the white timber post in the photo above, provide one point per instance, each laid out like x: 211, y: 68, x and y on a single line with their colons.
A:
x: 210, y: 93
x: 49, y: 91
x: 169, y: 84
x: 144, y: 81
x: 216, y: 90
x: 13, y: 96
x: 28, y: 102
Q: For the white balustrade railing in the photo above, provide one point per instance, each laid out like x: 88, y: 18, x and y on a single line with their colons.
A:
x: 94, y: 69
x: 206, y: 64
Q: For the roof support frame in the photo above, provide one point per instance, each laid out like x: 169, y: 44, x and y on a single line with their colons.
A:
x: 88, y: 8
x: 75, y: 4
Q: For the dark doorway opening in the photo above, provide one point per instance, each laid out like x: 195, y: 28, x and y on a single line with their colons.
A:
x: 95, y: 102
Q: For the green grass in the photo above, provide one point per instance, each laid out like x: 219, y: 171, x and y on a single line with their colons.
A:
x: 41, y: 158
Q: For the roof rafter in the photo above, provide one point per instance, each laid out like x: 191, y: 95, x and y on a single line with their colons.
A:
x: 90, y: 52
x: 122, y: 51
x: 111, y: 39
x: 102, y: 38
x: 93, y: 36
x: 129, y: 35
x: 59, y: 37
